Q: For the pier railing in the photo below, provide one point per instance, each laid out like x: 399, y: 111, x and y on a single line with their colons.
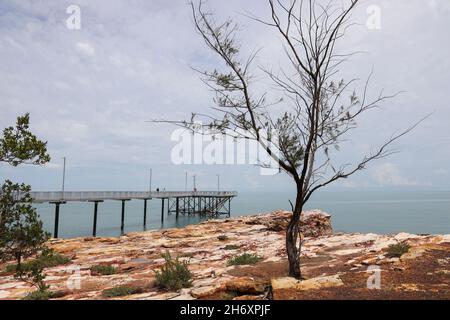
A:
x: 82, y: 196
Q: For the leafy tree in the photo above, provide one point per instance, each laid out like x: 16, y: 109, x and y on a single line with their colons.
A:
x: 18, y: 145
x: 21, y: 231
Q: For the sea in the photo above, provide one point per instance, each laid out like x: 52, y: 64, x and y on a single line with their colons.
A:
x: 383, y: 212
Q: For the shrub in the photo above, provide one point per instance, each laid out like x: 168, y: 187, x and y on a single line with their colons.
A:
x: 397, y: 250
x: 47, y: 259
x: 21, y: 231
x: 104, y: 270
x: 222, y: 238
x: 38, y: 295
x: 44, y: 295
x: 121, y: 291
x: 232, y: 247
x: 174, y: 274
x: 243, y: 259
x: 32, y: 271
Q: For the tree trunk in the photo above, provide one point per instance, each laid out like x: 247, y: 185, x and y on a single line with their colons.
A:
x: 19, y: 263
x: 292, y: 237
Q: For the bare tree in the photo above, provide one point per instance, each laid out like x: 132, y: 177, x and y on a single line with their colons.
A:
x: 319, y: 107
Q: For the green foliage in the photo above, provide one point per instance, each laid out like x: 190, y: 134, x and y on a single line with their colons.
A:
x: 243, y: 259
x: 35, y: 276
x: 50, y: 259
x: 38, y: 295
x: 397, y: 250
x: 44, y: 295
x: 21, y: 231
x: 18, y: 145
x: 32, y: 272
x: 231, y: 247
x: 121, y: 291
x: 47, y: 259
x: 222, y: 238
x: 104, y: 270
x: 174, y: 274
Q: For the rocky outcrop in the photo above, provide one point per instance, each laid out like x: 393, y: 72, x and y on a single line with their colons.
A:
x: 310, y: 284
x: 334, y: 265
x: 314, y: 223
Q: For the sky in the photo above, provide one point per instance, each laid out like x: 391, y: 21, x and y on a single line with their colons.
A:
x: 90, y: 91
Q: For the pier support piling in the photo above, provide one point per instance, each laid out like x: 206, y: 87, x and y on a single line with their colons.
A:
x: 55, y: 231
x: 145, y: 212
x: 162, y: 210
x: 56, y: 226
x: 122, y: 220
x: 94, y: 227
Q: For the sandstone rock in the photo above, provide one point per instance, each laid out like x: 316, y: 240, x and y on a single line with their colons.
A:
x: 140, y: 254
x: 4, y: 294
x: 284, y: 283
x: 204, y: 291
x: 109, y: 240
x: 413, y: 253
x: 246, y: 286
x: 408, y: 287
x: 316, y: 223
x: 392, y: 260
x: 310, y: 284
x: 183, y: 297
x: 444, y: 238
x: 402, y: 236
x: 249, y: 297
x: 162, y: 296
x: 313, y: 223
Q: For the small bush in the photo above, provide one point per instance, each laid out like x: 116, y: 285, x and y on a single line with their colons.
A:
x: 121, y: 291
x: 397, y: 250
x: 44, y: 295
x: 104, y: 270
x: 222, y: 238
x: 47, y: 259
x: 38, y: 295
x: 232, y: 247
x: 174, y: 274
x: 243, y: 259
x: 186, y: 255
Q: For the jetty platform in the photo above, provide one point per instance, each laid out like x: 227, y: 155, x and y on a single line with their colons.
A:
x: 210, y: 204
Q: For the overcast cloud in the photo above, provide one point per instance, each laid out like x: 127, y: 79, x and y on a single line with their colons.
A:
x: 90, y: 91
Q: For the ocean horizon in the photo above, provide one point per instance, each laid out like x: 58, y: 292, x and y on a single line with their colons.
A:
x: 382, y: 212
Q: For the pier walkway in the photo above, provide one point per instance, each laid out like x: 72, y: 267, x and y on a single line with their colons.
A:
x: 205, y: 203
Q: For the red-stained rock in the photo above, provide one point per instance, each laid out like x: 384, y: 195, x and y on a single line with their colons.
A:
x: 313, y: 223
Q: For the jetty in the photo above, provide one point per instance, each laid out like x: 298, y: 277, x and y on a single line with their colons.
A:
x: 210, y: 204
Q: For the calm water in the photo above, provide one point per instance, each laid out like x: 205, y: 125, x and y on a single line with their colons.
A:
x: 378, y: 212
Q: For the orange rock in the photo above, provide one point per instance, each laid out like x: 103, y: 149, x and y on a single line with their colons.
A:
x: 246, y: 286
